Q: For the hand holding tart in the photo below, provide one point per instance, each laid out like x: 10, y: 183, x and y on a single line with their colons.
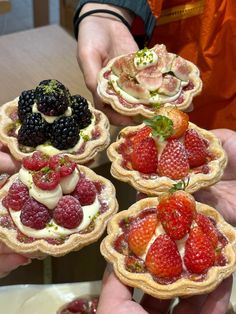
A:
x: 52, y: 121
x: 141, y: 82
x: 54, y: 206
x: 171, y: 246
x: 165, y: 150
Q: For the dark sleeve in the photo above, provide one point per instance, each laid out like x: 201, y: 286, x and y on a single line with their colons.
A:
x: 138, y: 7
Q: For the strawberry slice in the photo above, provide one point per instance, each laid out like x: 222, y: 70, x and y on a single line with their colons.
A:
x: 199, y: 253
x: 176, y: 212
x: 195, y: 147
x: 144, y: 156
x: 46, y: 179
x: 163, y: 259
x: 36, y: 161
x: 173, y: 162
x: 140, y: 135
x: 208, y: 228
x: 62, y: 164
x: 141, y: 233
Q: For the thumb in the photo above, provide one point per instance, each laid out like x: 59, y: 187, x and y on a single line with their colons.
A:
x: 90, y: 66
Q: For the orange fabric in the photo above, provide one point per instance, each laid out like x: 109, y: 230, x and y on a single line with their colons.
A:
x: 208, y: 40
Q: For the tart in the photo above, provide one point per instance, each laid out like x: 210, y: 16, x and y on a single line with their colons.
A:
x: 164, y: 151
x: 140, y: 83
x: 86, y: 304
x: 51, y: 120
x: 54, y: 206
x: 171, y: 246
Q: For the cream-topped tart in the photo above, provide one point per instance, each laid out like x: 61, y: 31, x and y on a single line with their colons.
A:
x: 164, y: 150
x: 52, y: 121
x: 141, y: 82
x: 53, y: 206
x: 171, y: 246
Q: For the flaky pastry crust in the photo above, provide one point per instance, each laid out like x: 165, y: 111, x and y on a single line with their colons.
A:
x: 92, y: 146
x: 148, y: 111
x: 181, y: 287
x: 156, y: 185
x: 40, y: 247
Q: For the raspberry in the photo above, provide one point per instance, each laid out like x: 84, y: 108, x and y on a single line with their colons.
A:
x: 17, y: 195
x: 62, y: 164
x: 85, y: 192
x: 34, y: 215
x: 46, y: 179
x: 68, y: 212
x: 35, y: 162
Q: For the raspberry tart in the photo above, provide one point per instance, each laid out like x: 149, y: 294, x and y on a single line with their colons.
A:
x: 54, y: 206
x: 51, y: 120
x: 171, y: 246
x: 164, y: 150
x: 141, y: 82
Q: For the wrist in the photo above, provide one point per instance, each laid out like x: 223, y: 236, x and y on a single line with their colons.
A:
x: 127, y: 15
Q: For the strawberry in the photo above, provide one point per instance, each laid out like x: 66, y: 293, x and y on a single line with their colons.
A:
x: 208, y: 228
x: 46, y: 179
x: 195, y: 147
x: 179, y: 119
x: 36, y: 161
x: 134, y: 264
x: 144, y: 156
x: 163, y: 259
x: 141, y: 232
x: 62, y: 164
x: 199, y: 253
x: 173, y: 162
x: 121, y: 245
x: 140, y: 135
x: 176, y: 212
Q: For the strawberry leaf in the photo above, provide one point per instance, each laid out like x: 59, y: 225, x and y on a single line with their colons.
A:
x: 162, y: 126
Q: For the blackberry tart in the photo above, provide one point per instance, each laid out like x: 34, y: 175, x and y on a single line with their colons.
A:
x: 54, y: 206
x: 142, y: 82
x: 50, y: 120
x: 165, y: 150
x: 171, y: 246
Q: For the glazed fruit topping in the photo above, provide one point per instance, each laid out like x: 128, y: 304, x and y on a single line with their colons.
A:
x: 62, y: 164
x: 163, y: 259
x: 208, y: 228
x: 144, y: 156
x: 46, y: 179
x: 176, y: 212
x: 199, y: 252
x: 37, y: 161
x: 17, y: 195
x: 173, y: 162
x: 85, y: 192
x: 34, y: 214
x: 141, y: 233
x: 68, y: 212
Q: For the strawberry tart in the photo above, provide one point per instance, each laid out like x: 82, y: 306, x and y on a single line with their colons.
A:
x: 51, y: 120
x: 140, y: 83
x: 165, y: 150
x: 54, y: 206
x: 171, y: 246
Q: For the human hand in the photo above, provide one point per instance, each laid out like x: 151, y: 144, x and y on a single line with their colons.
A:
x: 222, y: 195
x: 10, y: 260
x: 101, y: 38
x: 116, y: 298
x: 8, y: 164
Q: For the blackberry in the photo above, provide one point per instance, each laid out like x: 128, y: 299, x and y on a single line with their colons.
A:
x: 81, y: 111
x: 52, y: 98
x: 64, y: 132
x: 25, y: 103
x: 33, y: 130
